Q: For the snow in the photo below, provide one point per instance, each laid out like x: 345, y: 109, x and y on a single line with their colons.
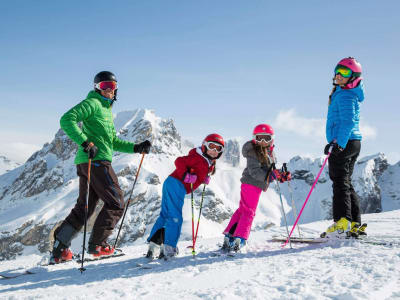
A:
x: 340, y: 269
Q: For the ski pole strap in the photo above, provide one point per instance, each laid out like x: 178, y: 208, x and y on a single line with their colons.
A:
x: 269, y: 172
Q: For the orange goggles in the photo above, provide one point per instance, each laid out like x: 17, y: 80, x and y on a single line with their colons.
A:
x: 105, y: 85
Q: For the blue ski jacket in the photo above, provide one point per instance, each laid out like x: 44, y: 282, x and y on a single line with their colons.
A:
x: 343, y: 119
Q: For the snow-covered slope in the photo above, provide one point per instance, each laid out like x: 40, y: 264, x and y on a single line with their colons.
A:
x: 344, y: 269
x: 7, y: 164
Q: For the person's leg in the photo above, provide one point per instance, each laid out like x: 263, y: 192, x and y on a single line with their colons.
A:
x: 105, y: 183
x: 175, y: 195
x: 72, y: 224
x: 339, y: 172
x: 249, y: 197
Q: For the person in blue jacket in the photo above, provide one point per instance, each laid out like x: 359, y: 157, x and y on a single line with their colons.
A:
x: 343, y: 134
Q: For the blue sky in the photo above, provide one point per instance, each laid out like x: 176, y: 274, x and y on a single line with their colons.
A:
x: 212, y: 66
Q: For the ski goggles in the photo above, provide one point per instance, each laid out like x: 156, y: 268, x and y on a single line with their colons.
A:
x: 104, y: 85
x: 344, y: 71
x: 266, y: 138
x: 214, y: 146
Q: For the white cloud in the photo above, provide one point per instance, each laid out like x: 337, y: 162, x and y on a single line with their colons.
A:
x: 290, y: 121
x: 312, y: 128
x: 367, y: 131
x: 19, y: 152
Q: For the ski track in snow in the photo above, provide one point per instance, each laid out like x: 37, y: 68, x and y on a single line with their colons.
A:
x: 343, y: 269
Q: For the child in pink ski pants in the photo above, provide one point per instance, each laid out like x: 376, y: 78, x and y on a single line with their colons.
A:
x: 257, y: 175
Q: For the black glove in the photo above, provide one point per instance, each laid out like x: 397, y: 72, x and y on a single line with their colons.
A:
x: 142, y: 147
x: 90, y: 149
x: 336, y: 149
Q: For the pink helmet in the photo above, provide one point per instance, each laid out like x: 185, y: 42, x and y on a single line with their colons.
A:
x: 355, y: 67
x: 262, y: 129
x: 352, y: 64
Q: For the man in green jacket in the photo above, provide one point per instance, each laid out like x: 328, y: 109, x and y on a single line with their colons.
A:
x: 98, y: 140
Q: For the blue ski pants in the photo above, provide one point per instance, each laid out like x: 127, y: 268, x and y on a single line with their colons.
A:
x: 173, y: 195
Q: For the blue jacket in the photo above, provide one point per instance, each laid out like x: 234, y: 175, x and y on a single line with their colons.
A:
x: 343, y: 119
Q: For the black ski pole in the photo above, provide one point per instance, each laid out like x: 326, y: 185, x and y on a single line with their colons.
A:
x: 129, y: 200
x: 284, y: 168
x: 283, y: 209
x: 86, y: 214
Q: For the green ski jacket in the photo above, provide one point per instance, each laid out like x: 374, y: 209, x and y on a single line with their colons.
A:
x: 97, y: 126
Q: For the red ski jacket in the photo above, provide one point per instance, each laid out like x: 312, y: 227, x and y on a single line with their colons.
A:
x: 196, y: 163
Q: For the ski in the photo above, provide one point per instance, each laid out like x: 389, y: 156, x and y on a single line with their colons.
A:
x: 319, y: 240
x: 15, y: 275
x: 117, y: 253
x: 305, y: 240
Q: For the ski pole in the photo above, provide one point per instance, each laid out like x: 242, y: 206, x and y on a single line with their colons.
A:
x: 192, y: 203
x: 309, y: 194
x: 198, y: 220
x: 291, y: 198
x: 129, y: 199
x: 283, y: 209
x: 86, y: 214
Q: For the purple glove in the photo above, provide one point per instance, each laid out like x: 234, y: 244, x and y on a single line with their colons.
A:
x: 190, y: 178
x: 207, y: 180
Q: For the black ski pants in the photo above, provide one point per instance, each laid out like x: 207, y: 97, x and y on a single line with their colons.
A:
x: 346, y: 202
x: 104, y: 185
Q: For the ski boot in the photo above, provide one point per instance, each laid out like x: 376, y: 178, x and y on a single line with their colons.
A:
x: 60, y: 253
x: 169, y: 252
x: 361, y: 230
x: 228, y: 242
x: 354, y: 231
x: 100, y: 250
x: 153, y: 251
x: 337, y: 229
x: 239, y: 244
x: 63, y: 236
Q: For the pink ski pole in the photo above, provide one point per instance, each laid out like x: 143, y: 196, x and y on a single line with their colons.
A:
x: 308, y: 196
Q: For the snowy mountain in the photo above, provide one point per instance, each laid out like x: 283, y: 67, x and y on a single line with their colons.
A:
x: 370, y: 177
x: 36, y: 196
x: 7, y: 164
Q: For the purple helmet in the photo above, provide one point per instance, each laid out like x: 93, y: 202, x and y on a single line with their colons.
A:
x: 355, y: 67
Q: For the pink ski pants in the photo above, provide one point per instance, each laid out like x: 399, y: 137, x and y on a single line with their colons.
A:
x: 244, y: 215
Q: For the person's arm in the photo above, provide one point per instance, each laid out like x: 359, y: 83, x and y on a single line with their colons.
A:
x: 69, y: 121
x: 121, y: 145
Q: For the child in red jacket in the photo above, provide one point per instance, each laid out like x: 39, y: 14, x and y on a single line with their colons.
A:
x: 191, y: 171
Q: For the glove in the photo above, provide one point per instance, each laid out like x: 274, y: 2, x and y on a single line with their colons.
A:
x: 275, y: 175
x: 90, y: 149
x: 207, y: 180
x: 285, y: 176
x: 190, y: 178
x: 336, y: 149
x: 143, y: 147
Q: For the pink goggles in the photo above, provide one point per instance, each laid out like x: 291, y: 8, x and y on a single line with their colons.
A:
x: 214, y: 146
x: 105, y: 85
x: 263, y: 137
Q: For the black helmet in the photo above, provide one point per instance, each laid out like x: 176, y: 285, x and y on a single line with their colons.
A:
x: 104, y: 76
